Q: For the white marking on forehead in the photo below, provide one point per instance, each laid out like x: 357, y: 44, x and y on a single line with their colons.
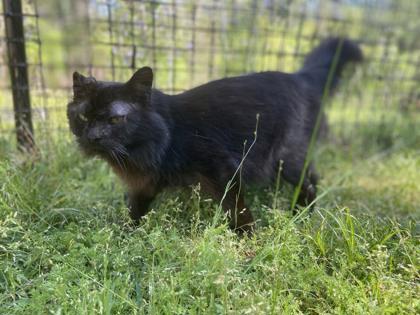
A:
x: 119, y: 108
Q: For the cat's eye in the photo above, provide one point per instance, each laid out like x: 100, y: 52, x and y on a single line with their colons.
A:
x: 117, y: 120
x: 83, y: 118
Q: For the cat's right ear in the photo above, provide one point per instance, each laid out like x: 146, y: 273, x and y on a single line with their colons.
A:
x: 82, y: 86
x: 142, y: 78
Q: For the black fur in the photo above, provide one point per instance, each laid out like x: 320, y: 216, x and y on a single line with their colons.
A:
x: 153, y: 140
x: 317, y: 65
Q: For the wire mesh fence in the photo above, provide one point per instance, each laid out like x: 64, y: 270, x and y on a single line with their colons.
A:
x: 189, y: 42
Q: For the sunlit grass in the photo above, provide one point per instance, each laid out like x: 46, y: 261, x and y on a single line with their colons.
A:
x: 66, y: 244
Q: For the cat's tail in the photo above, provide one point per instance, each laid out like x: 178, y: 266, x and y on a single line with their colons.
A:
x: 323, y: 65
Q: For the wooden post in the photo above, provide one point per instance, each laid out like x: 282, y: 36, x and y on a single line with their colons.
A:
x: 18, y: 70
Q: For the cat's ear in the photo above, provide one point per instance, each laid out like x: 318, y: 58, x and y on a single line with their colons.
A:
x: 142, y: 78
x: 82, y: 86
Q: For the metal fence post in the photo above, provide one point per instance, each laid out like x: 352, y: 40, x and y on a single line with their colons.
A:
x: 18, y: 69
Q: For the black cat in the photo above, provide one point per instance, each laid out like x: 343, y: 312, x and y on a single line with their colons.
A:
x: 232, y: 129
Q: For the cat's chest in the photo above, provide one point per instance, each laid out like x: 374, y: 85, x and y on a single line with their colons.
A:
x: 135, y: 181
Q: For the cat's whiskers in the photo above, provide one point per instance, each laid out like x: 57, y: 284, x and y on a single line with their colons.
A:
x: 118, y: 159
x: 124, y: 155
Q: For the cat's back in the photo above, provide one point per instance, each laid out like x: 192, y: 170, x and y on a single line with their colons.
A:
x: 237, y: 100
x: 254, y: 84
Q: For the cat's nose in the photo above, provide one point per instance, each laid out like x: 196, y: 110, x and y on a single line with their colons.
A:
x: 94, y: 135
x: 94, y: 139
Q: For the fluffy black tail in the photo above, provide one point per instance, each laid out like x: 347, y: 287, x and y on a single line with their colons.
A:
x: 330, y: 56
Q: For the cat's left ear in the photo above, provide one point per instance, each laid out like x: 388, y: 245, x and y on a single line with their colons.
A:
x: 142, y: 78
x: 83, y: 86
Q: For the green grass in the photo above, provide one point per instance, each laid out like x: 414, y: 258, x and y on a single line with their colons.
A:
x: 66, y: 245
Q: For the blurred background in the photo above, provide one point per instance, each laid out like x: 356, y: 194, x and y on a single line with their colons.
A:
x: 189, y: 42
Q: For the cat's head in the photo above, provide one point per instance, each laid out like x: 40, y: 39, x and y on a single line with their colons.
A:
x: 117, y: 121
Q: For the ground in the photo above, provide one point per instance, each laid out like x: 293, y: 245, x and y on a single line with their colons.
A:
x: 67, y: 247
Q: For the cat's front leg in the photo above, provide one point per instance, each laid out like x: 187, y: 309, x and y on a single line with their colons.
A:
x: 138, y: 205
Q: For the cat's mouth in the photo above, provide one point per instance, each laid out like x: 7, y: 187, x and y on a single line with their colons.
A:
x: 106, y: 151
x: 93, y: 149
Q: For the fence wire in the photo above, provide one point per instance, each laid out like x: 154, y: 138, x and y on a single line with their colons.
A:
x: 189, y: 42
